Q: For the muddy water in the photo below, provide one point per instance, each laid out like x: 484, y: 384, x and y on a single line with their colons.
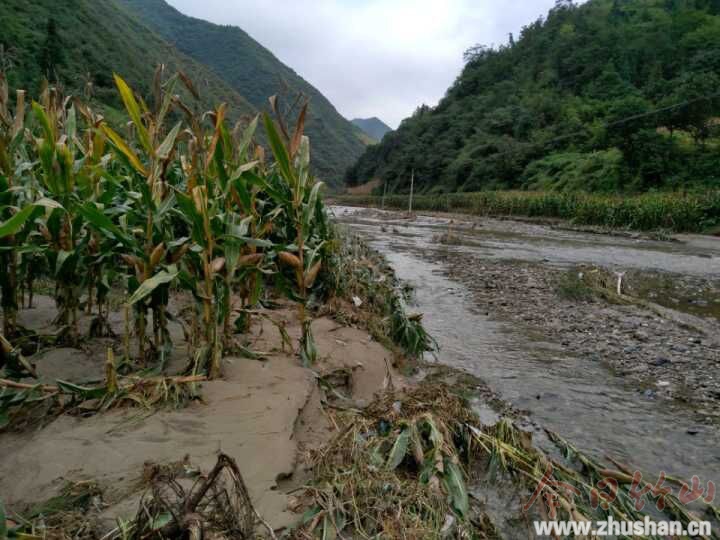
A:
x: 580, y: 399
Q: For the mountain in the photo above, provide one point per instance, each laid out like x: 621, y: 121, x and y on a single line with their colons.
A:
x: 255, y: 73
x: 373, y: 127
x: 77, y: 42
x: 609, y: 95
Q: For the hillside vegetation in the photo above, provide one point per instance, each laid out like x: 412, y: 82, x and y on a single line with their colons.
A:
x: 80, y: 43
x: 610, y: 95
x: 255, y: 73
x: 373, y: 127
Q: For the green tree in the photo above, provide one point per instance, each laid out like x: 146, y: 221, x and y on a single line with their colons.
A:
x: 51, y: 52
x: 699, y: 95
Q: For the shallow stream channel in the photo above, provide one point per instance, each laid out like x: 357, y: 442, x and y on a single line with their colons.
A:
x: 572, y: 394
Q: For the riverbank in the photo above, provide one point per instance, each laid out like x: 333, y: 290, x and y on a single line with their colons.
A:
x: 86, y: 471
x: 672, y: 212
x: 579, y: 395
x: 268, y: 420
x: 660, y: 331
x: 322, y: 449
x: 265, y: 412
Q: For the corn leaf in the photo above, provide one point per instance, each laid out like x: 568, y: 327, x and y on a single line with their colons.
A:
x: 149, y: 285
x: 399, y: 449
x: 48, y: 203
x: 133, y: 109
x: 240, y: 185
x: 219, y: 157
x: 71, y: 124
x: 82, y: 392
x: 168, y: 96
x: 247, y: 137
x: 15, y: 223
x: 165, y: 206
x: 299, y: 128
x: 42, y: 117
x: 275, y: 194
x: 189, y: 212
x: 257, y: 242
x: 310, y: 208
x: 163, y: 151
x: 64, y: 258
x: 123, y: 148
x: 99, y: 220
x: 278, y: 149
x: 455, y: 485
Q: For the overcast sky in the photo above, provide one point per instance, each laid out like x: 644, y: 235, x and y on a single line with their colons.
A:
x: 373, y: 57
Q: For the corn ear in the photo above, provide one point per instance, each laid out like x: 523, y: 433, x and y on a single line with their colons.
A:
x: 198, y: 195
x: 45, y: 233
x: 130, y: 260
x: 217, y: 264
x: 312, y: 274
x: 291, y: 260
x: 250, y: 260
x: 157, y: 255
x: 180, y: 253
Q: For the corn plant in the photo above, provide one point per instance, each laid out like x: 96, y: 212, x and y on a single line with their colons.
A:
x: 147, y: 232
x: 217, y: 207
x: 63, y: 180
x: 11, y: 139
x: 188, y: 203
x: 294, y: 189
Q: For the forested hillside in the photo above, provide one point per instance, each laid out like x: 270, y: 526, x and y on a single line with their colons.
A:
x: 80, y: 43
x: 610, y: 95
x: 256, y: 73
x: 373, y: 127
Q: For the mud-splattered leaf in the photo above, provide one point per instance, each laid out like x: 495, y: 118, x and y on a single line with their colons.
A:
x: 455, y: 485
x: 149, y: 285
x: 399, y: 449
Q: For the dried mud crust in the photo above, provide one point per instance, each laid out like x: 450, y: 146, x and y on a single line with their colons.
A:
x: 666, y: 354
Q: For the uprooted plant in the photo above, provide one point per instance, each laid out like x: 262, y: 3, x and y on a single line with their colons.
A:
x: 407, y: 465
x: 217, y: 502
x: 24, y: 403
x: 360, y: 275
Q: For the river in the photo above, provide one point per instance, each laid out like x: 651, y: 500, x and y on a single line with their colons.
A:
x: 580, y: 399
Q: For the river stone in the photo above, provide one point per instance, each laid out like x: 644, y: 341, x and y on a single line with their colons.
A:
x: 660, y: 361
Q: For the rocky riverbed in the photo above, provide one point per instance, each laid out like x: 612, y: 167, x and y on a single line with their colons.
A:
x: 533, y: 311
x: 665, y: 358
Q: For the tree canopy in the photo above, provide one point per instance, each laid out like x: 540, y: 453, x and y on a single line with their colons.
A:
x: 604, y: 96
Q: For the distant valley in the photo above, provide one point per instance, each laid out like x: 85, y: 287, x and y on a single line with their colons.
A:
x: 372, y: 127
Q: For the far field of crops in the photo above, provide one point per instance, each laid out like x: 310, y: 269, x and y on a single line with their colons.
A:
x: 676, y: 212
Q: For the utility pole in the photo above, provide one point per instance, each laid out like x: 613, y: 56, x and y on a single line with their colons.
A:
x: 383, y: 197
x: 412, y: 188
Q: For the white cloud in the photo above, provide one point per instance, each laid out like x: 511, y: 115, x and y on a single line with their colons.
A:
x: 373, y: 57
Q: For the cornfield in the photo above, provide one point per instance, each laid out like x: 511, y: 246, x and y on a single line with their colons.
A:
x: 173, y: 200
x: 677, y: 212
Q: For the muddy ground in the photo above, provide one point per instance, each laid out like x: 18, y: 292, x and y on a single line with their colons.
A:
x: 266, y: 413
